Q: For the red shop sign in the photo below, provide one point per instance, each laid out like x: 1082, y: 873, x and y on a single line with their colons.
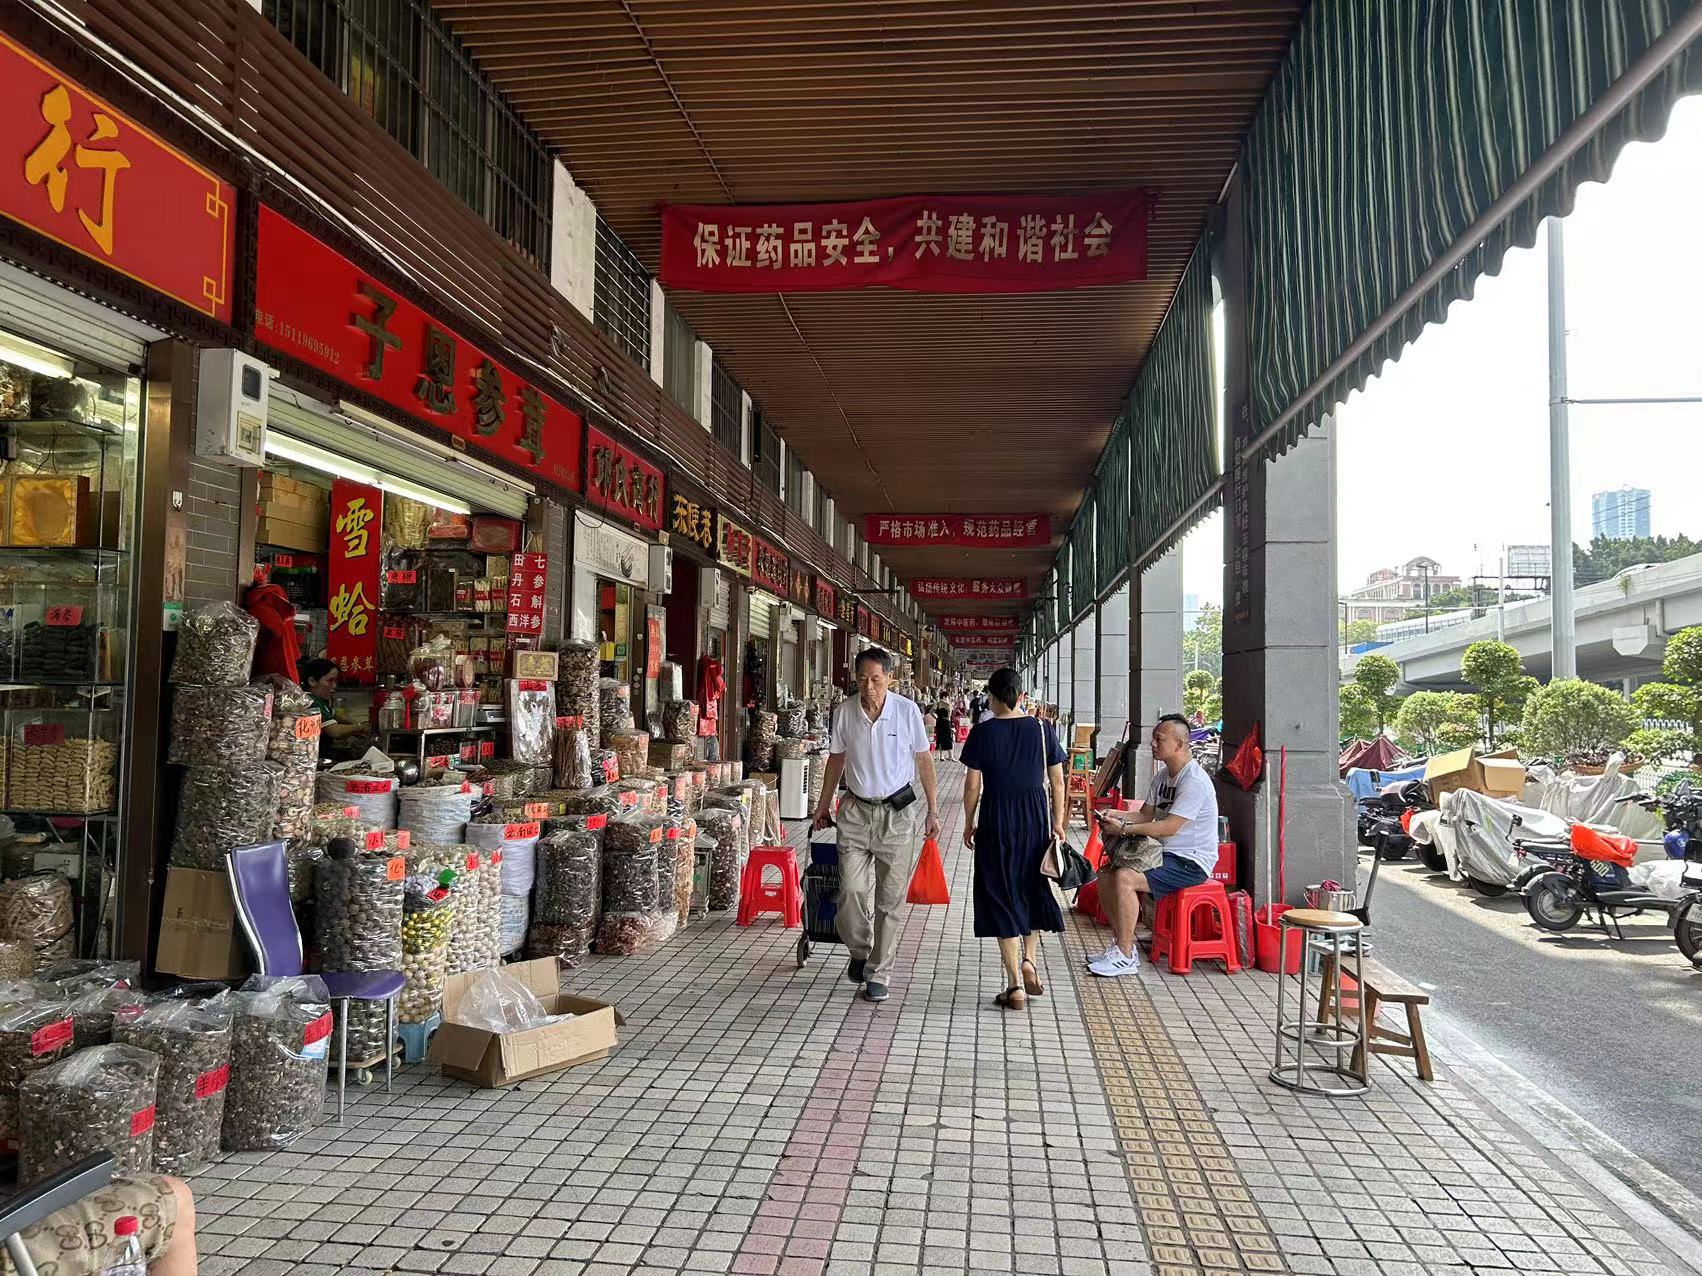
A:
x: 969, y: 531
x: 619, y: 480
x: 977, y: 589
x: 800, y: 588
x: 827, y: 599
x: 1002, y: 642
x: 770, y: 568
x: 527, y: 575
x: 318, y: 306
x: 987, y: 624
x: 351, y: 640
x: 918, y: 243
x: 734, y: 546
x: 88, y: 177
x: 863, y: 621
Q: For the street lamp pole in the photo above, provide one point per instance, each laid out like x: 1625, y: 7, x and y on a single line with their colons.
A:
x: 1562, y: 624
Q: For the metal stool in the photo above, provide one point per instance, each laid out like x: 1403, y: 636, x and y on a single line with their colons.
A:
x: 1322, y: 1035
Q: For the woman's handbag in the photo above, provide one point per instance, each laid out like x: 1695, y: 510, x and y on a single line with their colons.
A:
x: 1066, y: 866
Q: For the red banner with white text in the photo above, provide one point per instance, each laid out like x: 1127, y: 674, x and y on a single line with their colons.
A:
x: 351, y: 638
x: 918, y: 243
x: 999, y: 642
x: 968, y: 531
x: 980, y: 624
x: 980, y: 589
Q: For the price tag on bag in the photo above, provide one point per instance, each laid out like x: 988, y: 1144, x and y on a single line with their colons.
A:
x: 308, y: 726
x: 536, y: 810
x: 212, y: 1082
x: 519, y: 832
x: 396, y: 869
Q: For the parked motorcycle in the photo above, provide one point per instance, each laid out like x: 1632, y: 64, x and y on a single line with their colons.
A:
x: 1591, y: 880
x: 1681, y: 811
x: 1384, y: 817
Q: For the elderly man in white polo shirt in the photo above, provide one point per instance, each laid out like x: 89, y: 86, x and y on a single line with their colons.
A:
x: 878, y: 744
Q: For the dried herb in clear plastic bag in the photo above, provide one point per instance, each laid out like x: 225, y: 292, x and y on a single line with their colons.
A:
x: 215, y: 647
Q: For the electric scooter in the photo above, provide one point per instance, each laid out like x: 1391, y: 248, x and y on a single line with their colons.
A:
x: 1591, y: 879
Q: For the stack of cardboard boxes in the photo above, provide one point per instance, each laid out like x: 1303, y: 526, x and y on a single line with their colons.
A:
x: 293, y: 514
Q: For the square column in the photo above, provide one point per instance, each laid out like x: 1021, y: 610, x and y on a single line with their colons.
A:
x: 1279, y: 630
x: 1113, y: 668
x: 1084, y: 642
x: 1155, y: 660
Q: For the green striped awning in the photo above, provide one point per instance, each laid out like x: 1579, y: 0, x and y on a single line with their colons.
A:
x: 1389, y: 129
x: 1172, y: 413
x: 1084, y: 556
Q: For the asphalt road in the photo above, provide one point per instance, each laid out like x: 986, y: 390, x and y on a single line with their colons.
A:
x: 1611, y: 1029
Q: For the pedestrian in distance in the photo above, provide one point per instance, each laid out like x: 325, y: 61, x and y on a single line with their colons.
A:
x: 1013, y: 806
x: 1180, y: 818
x: 878, y: 745
x: 944, y: 739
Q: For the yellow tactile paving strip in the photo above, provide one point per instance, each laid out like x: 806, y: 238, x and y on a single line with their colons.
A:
x: 1197, y: 1213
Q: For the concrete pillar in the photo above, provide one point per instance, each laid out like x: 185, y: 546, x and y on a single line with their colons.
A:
x: 1085, y: 644
x: 1279, y: 630
x: 1113, y: 668
x: 1155, y: 658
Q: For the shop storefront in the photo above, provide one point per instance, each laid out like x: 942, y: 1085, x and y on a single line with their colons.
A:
x: 618, y: 574
x: 772, y: 627
x: 698, y: 609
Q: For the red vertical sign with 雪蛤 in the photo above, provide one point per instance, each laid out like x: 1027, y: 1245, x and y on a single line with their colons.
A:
x: 526, y: 594
x: 357, y: 515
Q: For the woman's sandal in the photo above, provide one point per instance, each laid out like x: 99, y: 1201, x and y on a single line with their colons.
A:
x: 1012, y: 998
x: 1033, y: 987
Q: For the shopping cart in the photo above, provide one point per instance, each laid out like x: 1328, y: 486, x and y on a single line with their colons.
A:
x: 821, y: 896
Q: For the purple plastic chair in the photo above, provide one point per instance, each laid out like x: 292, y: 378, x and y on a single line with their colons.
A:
x: 260, y: 885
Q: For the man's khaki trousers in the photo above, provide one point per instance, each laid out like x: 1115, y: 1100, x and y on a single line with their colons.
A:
x: 878, y: 849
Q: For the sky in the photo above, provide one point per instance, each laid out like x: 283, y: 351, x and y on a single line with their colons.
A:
x: 1445, y: 452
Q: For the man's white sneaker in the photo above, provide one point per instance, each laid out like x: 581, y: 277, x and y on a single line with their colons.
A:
x: 1115, y: 963
x: 1111, y: 950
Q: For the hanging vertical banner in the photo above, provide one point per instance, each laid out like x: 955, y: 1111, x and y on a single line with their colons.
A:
x: 351, y: 638
x: 967, y: 531
x: 527, y: 574
x: 917, y: 243
x: 974, y: 589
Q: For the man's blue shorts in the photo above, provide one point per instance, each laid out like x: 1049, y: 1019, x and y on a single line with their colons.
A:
x: 1174, y: 874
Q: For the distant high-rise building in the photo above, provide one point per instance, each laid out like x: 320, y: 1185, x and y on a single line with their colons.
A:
x: 1621, y: 514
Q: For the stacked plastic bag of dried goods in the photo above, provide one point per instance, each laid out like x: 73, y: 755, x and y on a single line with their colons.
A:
x: 682, y: 837
x: 475, y: 933
x: 531, y: 721
x: 35, y: 912
x: 567, y: 895
x: 437, y: 814
x: 294, y: 745
x: 35, y: 1031
x: 358, y: 910
x: 761, y: 745
x: 614, y: 708
x: 224, y: 807
x: 576, y: 687
x: 514, y: 845
x: 796, y: 722
x: 220, y: 726
x: 572, y: 763
x: 215, y: 647
x: 632, y: 845
x: 100, y: 1100
x: 726, y: 825
x: 280, y: 1045
x: 679, y: 720
x: 371, y: 793
x: 428, y: 921
x: 193, y: 1041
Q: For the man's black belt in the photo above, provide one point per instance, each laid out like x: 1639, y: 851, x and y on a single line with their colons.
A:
x: 897, y: 801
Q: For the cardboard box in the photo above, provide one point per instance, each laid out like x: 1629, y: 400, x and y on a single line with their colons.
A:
x: 534, y: 665
x: 199, y: 935
x: 291, y: 534
x: 1499, y: 774
x: 492, y: 1059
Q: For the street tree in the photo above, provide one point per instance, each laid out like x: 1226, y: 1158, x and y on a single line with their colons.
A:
x: 1607, y: 556
x: 1676, y: 699
x: 1358, y: 712
x: 1355, y: 632
x: 1572, y: 716
x: 1202, y: 643
x: 1376, y: 676
x: 1199, y: 689
x: 1431, y: 722
x: 1494, y: 670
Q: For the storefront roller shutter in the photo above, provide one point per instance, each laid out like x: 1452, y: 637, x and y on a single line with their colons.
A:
x: 470, y: 481
x: 62, y: 320
x: 762, y: 617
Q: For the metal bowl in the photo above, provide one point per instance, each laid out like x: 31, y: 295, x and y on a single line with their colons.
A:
x: 1339, y: 901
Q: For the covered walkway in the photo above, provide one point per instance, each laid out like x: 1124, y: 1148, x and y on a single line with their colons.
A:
x: 758, y: 1118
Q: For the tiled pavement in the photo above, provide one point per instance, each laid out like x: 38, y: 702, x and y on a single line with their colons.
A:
x: 758, y: 1119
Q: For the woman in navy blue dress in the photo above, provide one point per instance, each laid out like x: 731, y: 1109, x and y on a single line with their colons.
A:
x: 1013, y: 805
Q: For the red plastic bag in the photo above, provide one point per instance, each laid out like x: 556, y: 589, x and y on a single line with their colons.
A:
x: 1248, y: 760
x: 928, y: 884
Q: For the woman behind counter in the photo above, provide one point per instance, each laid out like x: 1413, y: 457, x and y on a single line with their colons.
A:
x: 319, y: 680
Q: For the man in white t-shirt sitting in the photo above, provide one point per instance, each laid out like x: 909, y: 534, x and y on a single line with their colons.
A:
x: 1181, y: 813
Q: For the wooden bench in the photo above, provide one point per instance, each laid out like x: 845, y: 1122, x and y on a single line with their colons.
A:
x: 1382, y: 987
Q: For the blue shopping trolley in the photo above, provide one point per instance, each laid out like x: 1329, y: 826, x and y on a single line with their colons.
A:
x: 821, y: 895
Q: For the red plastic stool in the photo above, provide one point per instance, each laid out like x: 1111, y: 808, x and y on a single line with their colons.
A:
x: 1195, y: 924
x: 759, y: 897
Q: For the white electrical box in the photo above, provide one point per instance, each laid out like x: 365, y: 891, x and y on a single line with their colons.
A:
x: 230, y: 408
x: 661, y: 569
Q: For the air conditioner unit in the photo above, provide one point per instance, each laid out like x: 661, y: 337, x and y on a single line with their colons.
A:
x: 230, y: 409
x: 661, y: 569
